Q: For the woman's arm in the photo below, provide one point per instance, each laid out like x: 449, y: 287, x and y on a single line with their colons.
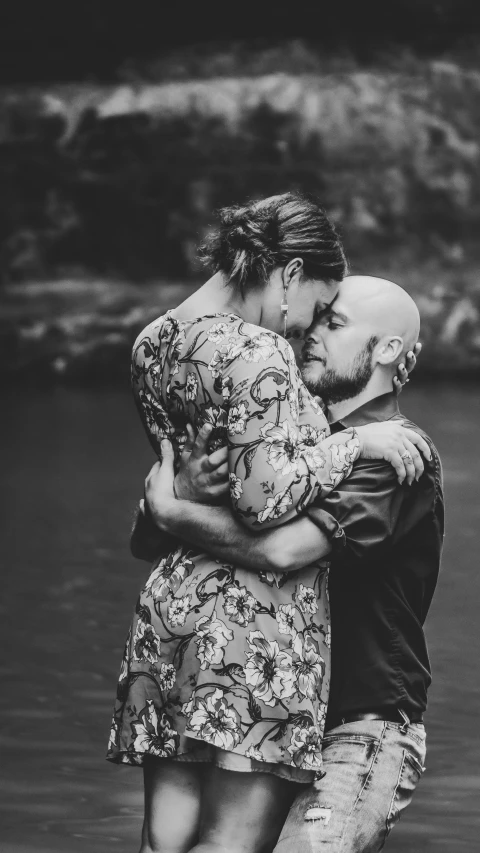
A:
x: 278, y: 461
x: 280, y: 451
x: 146, y: 367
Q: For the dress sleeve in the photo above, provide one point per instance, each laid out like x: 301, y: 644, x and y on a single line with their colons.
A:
x: 146, y: 371
x: 281, y: 455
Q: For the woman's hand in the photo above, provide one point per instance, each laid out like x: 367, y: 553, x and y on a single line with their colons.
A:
x: 398, y: 445
x: 403, y: 370
x: 202, y: 478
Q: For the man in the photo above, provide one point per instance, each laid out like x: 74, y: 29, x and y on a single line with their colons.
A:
x: 384, y: 569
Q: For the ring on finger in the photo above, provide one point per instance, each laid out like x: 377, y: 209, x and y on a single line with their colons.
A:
x: 407, y: 456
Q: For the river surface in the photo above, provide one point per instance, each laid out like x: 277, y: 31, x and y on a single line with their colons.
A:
x: 73, y: 466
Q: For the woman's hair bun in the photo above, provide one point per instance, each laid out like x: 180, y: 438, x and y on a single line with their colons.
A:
x: 252, y: 239
x: 238, y: 237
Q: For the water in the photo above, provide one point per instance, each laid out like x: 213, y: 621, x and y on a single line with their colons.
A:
x: 73, y: 467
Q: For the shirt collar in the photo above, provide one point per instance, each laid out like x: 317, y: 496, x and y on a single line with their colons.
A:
x: 381, y: 408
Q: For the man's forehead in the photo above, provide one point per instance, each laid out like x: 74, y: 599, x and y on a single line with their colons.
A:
x: 337, y: 308
x: 341, y: 307
x: 354, y: 301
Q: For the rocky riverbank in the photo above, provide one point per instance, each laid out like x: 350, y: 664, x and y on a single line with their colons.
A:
x: 82, y: 331
x: 121, y: 180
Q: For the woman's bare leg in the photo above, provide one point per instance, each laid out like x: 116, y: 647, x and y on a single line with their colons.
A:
x: 172, y: 805
x: 242, y: 812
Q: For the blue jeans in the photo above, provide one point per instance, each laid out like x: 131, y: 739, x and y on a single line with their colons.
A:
x: 371, y: 771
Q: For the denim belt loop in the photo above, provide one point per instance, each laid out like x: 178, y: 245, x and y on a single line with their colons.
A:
x: 406, y: 721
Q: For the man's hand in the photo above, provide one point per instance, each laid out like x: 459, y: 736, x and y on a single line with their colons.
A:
x: 159, y: 489
x: 202, y: 478
x: 216, y: 531
x: 403, y: 370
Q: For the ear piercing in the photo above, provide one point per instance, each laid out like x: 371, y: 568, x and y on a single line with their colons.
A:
x: 284, y: 310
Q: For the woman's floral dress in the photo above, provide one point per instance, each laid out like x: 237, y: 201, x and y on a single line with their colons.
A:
x: 217, y: 653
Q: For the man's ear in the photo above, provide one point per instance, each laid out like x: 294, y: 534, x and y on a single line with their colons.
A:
x: 389, y: 350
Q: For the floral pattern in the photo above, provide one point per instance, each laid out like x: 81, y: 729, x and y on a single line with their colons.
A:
x: 214, y: 720
x: 212, y: 635
x: 237, y: 659
x: 154, y: 735
x: 239, y: 605
x: 146, y: 643
x: 269, y: 670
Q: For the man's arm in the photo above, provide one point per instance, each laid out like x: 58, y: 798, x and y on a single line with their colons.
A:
x: 202, y: 477
x: 361, y: 515
x: 359, y: 519
x: 215, y: 529
x: 147, y: 541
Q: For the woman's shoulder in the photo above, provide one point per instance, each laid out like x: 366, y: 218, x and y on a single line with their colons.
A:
x: 228, y: 337
x: 253, y: 343
x: 154, y: 331
x: 169, y: 333
x: 167, y: 326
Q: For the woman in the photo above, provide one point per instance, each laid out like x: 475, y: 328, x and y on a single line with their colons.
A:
x: 224, y: 682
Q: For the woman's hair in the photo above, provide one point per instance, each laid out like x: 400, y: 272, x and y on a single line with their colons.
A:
x: 253, y: 239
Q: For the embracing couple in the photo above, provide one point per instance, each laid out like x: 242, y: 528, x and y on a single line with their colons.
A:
x: 276, y: 672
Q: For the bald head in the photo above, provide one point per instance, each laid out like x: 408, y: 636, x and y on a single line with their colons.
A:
x: 354, y: 347
x: 380, y: 306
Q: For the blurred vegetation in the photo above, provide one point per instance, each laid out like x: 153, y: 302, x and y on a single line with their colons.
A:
x: 118, y: 182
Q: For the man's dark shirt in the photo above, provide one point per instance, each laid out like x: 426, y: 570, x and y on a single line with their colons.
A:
x: 382, y: 577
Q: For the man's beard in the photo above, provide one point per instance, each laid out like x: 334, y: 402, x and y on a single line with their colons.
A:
x: 334, y: 387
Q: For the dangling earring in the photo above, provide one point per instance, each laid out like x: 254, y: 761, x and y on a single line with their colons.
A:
x: 284, y: 310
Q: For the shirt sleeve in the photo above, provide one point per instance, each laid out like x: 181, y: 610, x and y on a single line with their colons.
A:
x: 361, y: 515
x: 280, y: 452
x: 147, y: 541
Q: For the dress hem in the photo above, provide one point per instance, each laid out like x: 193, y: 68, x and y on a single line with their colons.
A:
x: 284, y: 771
